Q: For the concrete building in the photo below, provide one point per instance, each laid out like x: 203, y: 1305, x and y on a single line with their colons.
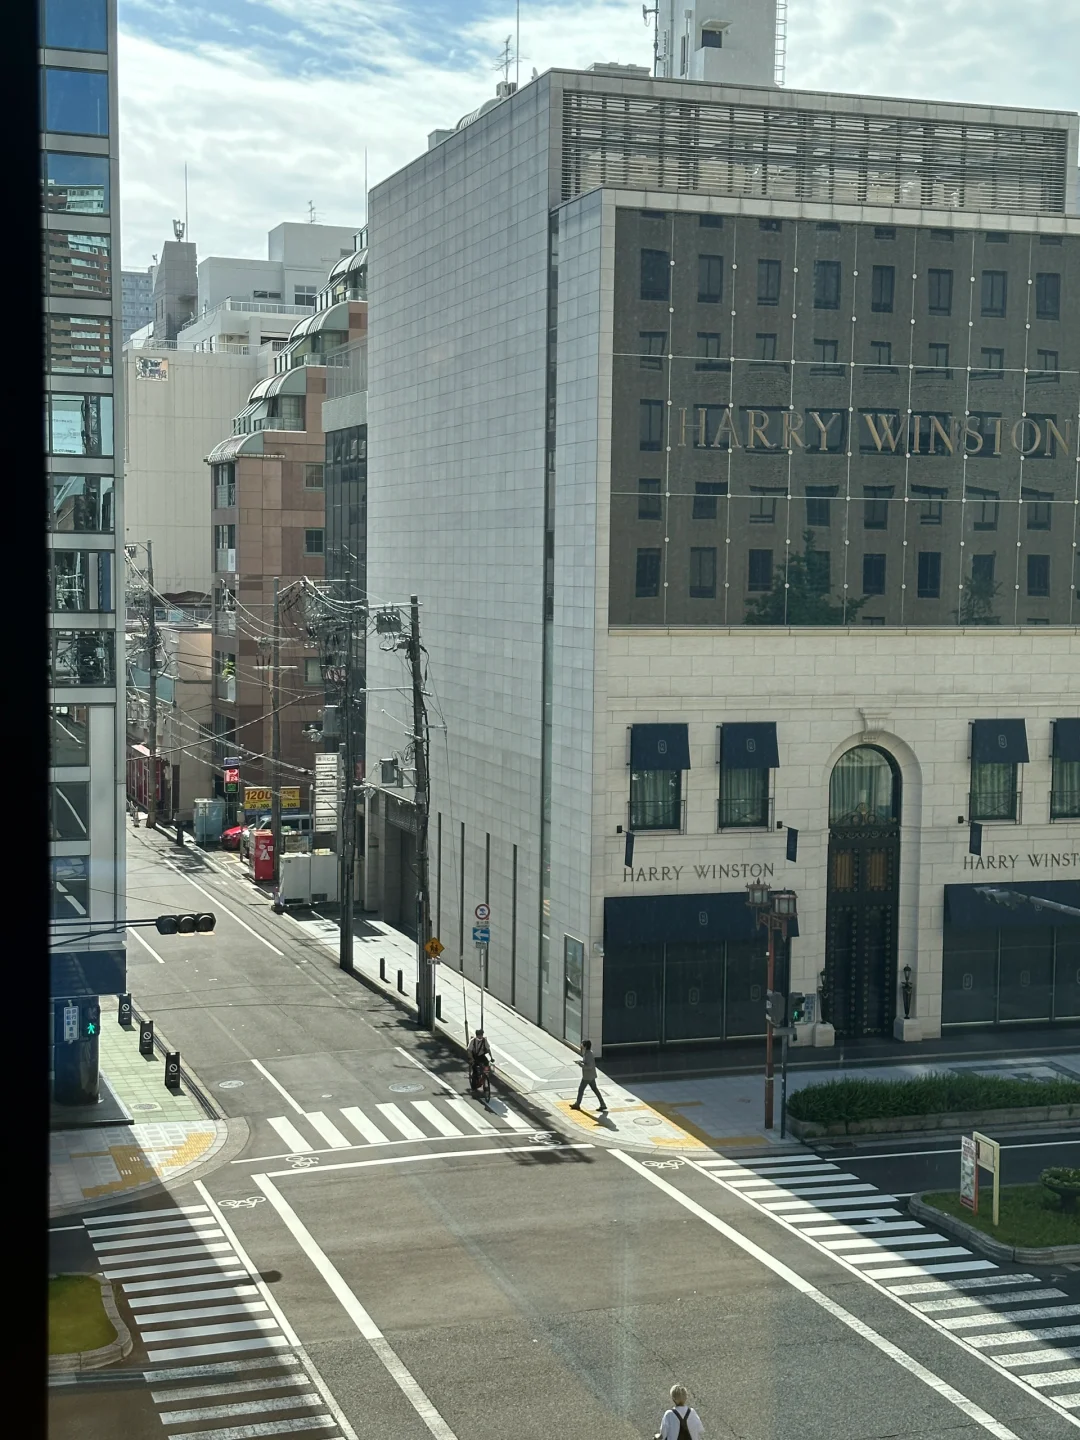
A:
x: 175, y: 288
x: 733, y: 42
x: 185, y: 719
x: 138, y: 299
x: 84, y: 414
x: 729, y: 436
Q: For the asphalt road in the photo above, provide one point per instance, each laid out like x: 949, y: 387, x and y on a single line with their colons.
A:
x: 386, y: 1257
x: 935, y: 1165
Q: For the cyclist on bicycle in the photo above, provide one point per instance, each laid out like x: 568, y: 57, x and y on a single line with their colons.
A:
x: 479, y: 1050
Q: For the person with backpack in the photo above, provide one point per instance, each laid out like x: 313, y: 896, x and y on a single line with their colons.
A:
x: 681, y: 1422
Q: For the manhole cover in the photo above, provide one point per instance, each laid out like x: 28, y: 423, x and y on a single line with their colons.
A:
x: 230, y: 1084
x: 406, y: 1089
x: 147, y: 1105
x: 647, y: 1121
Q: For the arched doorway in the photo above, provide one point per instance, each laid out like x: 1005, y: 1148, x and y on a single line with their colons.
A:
x: 863, y: 892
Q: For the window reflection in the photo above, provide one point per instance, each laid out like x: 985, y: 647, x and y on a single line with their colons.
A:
x: 69, y: 735
x: 77, y: 264
x: 81, y: 503
x: 75, y: 184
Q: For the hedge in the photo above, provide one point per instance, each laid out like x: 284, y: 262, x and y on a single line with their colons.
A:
x: 936, y: 1094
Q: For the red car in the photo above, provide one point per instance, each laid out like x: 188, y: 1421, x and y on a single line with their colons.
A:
x: 230, y: 839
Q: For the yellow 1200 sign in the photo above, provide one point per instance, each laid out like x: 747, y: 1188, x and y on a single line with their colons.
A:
x: 256, y: 797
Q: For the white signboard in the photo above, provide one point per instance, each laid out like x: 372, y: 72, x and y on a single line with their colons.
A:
x: 329, y: 784
x: 151, y: 367
x: 71, y: 1024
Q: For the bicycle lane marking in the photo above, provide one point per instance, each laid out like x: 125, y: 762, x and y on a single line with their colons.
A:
x: 804, y: 1287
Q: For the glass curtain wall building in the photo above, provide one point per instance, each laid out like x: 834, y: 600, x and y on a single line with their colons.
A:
x: 82, y: 302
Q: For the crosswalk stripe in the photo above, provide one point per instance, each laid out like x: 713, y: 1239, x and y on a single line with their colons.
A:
x: 971, y: 1322
x: 471, y: 1115
x: 969, y: 1302
x: 214, y: 1247
x: 817, y: 1216
x: 186, y: 1297
x: 954, y: 1267
x: 757, y: 1162
x: 814, y: 1192
x: 514, y: 1120
x: 200, y: 1332
x: 1067, y: 1402
x: 359, y: 1121
x: 1037, y: 1357
x: 242, y: 1366
x: 289, y: 1134
x: 193, y: 1227
x: 251, y: 1432
x: 242, y: 1407
x: 981, y: 1282
x: 172, y: 1210
x: 1053, y: 1377
x: 294, y: 1379
x: 218, y: 1347
x: 875, y: 1257
x: 401, y: 1122
x: 881, y: 1227
x: 142, y: 1271
x: 434, y: 1116
x: 1004, y: 1338
x: 328, y: 1130
x: 156, y: 1286
x: 742, y: 1182
x: 103, y: 1247
x: 202, y: 1312
x: 887, y: 1241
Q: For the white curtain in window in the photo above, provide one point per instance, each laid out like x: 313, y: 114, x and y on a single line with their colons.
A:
x: 861, y: 788
x: 993, y: 792
x: 1066, y: 787
x: 744, y: 797
x: 654, y: 799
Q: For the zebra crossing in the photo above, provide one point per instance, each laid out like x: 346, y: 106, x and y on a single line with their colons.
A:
x: 195, y: 1301
x: 1015, y: 1320
x: 443, y: 1117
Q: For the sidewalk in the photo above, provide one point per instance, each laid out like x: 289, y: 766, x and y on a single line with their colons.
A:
x: 152, y: 1135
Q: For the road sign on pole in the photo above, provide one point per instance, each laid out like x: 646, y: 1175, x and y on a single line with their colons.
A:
x: 71, y: 1023
x: 481, y: 935
x: 988, y: 1157
x: 434, y: 948
x: 482, y: 913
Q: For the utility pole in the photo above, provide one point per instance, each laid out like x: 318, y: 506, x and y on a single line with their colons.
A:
x: 151, y: 645
x: 348, y: 804
x: 275, y: 734
x: 425, y: 966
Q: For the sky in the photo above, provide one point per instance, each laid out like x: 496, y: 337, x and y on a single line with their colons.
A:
x: 272, y: 104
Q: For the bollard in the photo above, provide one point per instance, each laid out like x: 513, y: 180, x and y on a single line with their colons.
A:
x: 172, y: 1069
x: 146, y: 1038
x: 418, y: 995
x: 382, y: 969
x: 123, y: 1010
x: 401, y: 982
x: 438, y: 1007
x: 180, y: 833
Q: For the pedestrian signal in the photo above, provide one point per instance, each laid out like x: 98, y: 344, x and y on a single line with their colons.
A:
x: 91, y: 1020
x: 796, y: 1008
x: 774, y: 1008
x: 185, y: 924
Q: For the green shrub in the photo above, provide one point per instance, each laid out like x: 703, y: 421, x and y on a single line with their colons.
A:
x: 837, y: 1101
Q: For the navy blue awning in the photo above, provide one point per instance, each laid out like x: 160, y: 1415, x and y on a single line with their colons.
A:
x: 75, y: 974
x: 971, y: 911
x: 1067, y: 739
x: 680, y: 919
x: 749, y: 746
x: 999, y: 742
x: 659, y: 747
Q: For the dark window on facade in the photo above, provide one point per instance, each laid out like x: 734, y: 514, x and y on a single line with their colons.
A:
x: 768, y: 282
x: 929, y: 575
x: 884, y: 232
x: 766, y: 346
x: 314, y: 541
x: 654, y: 214
x: 985, y: 506
x: 982, y: 571
x: 993, y: 363
x: 882, y: 288
x: 941, y: 235
x: 774, y: 226
x: 705, y: 497
x: 313, y: 475
x: 873, y: 574
x: 763, y: 505
x: 818, y: 506
x: 655, y: 799
x: 710, y: 279
x: 75, y: 25
x: 876, y: 506
x: 1048, y: 370
x: 75, y: 184
x: 1049, y: 239
x: 710, y: 356
x: 993, y: 791
x: 819, y: 572
x: 69, y: 810
x: 937, y: 355
x: 826, y: 284
x: 1038, y: 576
x: 712, y: 39
x: 997, y: 237
x: 1037, y: 507
x: 1048, y: 297
x: 881, y: 354
x: 652, y: 344
x: 650, y: 424
x: 744, y: 799
x: 759, y: 570
x: 69, y: 890
x: 711, y: 222
x: 79, y: 344
x: 829, y: 225
x: 930, y: 500
x: 81, y: 503
x: 76, y: 101
x: 69, y: 735
x: 77, y: 264
x: 995, y: 292
x: 82, y: 657
x: 826, y: 355
x: 1065, y: 789
x: 940, y: 287
x: 649, y: 502
x: 702, y: 572
x: 655, y: 275
x: 304, y: 294
x: 647, y: 579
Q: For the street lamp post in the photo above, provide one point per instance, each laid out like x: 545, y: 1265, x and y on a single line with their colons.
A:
x: 775, y: 909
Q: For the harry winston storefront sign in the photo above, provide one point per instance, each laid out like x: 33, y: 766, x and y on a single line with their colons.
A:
x: 672, y: 874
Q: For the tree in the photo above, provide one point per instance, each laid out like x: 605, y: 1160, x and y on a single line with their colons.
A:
x: 801, y: 595
x: 977, y: 602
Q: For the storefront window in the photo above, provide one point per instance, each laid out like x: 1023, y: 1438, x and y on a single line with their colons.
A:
x: 993, y: 791
x: 655, y: 799
x: 862, y: 789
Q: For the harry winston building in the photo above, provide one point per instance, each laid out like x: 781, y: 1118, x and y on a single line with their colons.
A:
x: 730, y: 438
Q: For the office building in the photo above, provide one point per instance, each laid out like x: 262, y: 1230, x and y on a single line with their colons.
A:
x: 82, y: 303
x: 137, y: 294
x: 729, y: 435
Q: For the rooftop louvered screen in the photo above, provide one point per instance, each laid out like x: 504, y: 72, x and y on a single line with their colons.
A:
x: 640, y: 142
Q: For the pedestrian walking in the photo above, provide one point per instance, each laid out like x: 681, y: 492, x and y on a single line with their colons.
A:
x: 588, y: 1077
x: 681, y: 1422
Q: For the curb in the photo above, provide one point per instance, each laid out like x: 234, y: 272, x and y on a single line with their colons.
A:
x: 117, y: 1349
x: 918, y: 1127
x: 198, y: 1091
x: 979, y: 1240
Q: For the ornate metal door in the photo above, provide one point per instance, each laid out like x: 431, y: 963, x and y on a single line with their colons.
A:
x: 861, y: 920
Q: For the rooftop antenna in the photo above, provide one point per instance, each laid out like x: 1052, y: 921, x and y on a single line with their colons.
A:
x: 506, y: 54
x: 655, y: 13
x: 311, y: 212
x: 185, y: 199
x: 178, y: 229
x: 365, y: 184
x: 517, y: 46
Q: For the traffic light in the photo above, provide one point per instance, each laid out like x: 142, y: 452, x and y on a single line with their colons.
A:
x: 185, y: 924
x: 796, y: 1008
x: 91, y: 1020
x: 774, y: 1008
